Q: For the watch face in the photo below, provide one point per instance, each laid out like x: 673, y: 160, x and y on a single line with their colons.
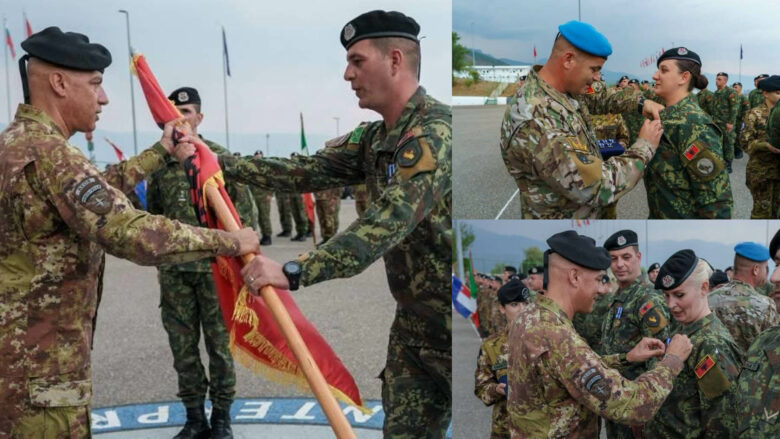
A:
x: 292, y: 268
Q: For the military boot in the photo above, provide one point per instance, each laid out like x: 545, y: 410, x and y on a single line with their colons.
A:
x: 220, y: 424
x: 265, y: 240
x: 283, y: 234
x: 196, y: 427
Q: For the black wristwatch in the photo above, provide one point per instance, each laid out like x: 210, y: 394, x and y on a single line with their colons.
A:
x: 292, y: 270
x: 641, y: 103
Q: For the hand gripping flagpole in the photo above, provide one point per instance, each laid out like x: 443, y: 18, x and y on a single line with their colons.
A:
x: 319, y: 386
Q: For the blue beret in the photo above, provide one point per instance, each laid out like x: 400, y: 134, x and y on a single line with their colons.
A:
x: 676, y: 269
x: 586, y: 38
x: 753, y: 251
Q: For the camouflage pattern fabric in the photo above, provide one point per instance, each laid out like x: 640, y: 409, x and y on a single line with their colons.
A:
x: 491, y: 367
x: 485, y: 298
x: 702, y: 401
x: 755, y: 98
x: 773, y: 126
x: 611, y: 126
x: 634, y: 122
x: 558, y: 386
x: 743, y: 311
x: 497, y: 320
x: 54, y: 423
x: 762, y: 174
x: 549, y: 148
x: 360, y: 193
x: 744, y: 107
x: 687, y: 178
x: 705, y: 100
x: 263, y: 202
x: 407, y: 171
x: 285, y: 215
x: 758, y: 388
x: 724, y: 110
x: 57, y: 216
x: 590, y: 325
x: 328, y: 203
x: 298, y: 211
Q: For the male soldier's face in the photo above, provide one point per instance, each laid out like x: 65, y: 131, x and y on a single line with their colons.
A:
x: 626, y: 264
x: 645, y: 86
x: 591, y: 283
x: 775, y: 279
x: 738, y: 89
x: 191, y: 115
x: 86, y: 97
x: 772, y: 97
x: 505, y: 275
x: 368, y: 72
x: 687, y: 301
x: 584, y: 70
x: 652, y: 274
x: 511, y: 310
x: 535, y: 282
x: 720, y: 81
x: 623, y: 82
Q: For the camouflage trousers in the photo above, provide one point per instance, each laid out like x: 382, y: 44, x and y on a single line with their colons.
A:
x: 766, y: 199
x: 53, y: 423
x: 360, y: 193
x: 291, y: 209
x: 188, y: 301
x: 617, y: 431
x: 262, y: 199
x: 728, y: 142
x: 328, y: 203
x: 416, y: 391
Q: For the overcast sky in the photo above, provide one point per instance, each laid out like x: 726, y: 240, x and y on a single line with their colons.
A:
x: 712, y: 28
x: 285, y: 57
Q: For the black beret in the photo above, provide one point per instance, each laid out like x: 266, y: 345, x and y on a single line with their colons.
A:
x: 676, y: 269
x: 621, y: 239
x: 679, y: 53
x: 723, y: 74
x: 774, y: 245
x: 513, y: 291
x: 645, y: 81
x: 184, y: 96
x: 633, y: 81
x: 655, y: 266
x: 761, y: 76
x: 771, y: 83
x: 736, y: 84
x: 510, y: 269
x: 718, y: 277
x: 622, y: 78
x: 67, y: 49
x: 521, y: 276
x: 579, y: 249
x: 729, y: 268
x: 536, y: 270
x: 379, y: 24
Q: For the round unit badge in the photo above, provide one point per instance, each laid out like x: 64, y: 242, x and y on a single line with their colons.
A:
x: 667, y: 281
x: 349, y: 31
x: 621, y: 240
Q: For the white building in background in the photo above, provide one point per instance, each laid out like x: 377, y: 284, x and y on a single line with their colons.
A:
x: 497, y: 73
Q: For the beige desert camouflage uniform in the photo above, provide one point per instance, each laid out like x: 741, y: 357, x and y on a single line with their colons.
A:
x: 491, y: 366
x: 743, y: 311
x: 762, y: 174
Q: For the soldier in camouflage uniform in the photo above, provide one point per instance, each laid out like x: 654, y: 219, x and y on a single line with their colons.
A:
x: 589, y: 325
x: 702, y: 401
x: 633, y: 119
x: 188, y: 300
x: 610, y: 127
x: 328, y: 203
x: 758, y: 388
x: 724, y: 114
x: 405, y: 162
x: 557, y: 384
x: 263, y: 202
x: 705, y: 99
x: 743, y: 311
x: 58, y: 214
x: 755, y: 97
x: 744, y: 107
x: 285, y: 216
x: 361, y: 198
x: 490, y: 378
x: 496, y: 317
x: 763, y: 167
x: 636, y: 311
x: 484, y: 300
x: 547, y: 139
x: 687, y: 177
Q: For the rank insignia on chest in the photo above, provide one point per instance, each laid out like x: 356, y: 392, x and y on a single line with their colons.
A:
x: 618, y: 313
x: 390, y: 171
x: 692, y: 151
x: 704, y: 366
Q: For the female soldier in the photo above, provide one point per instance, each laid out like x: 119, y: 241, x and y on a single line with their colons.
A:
x: 701, y: 402
x: 686, y: 178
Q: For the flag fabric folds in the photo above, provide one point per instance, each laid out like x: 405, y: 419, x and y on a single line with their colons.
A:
x: 140, y: 188
x: 9, y: 42
x: 308, y: 200
x: 255, y: 340
x: 462, y: 301
x: 225, y: 52
x: 119, y: 154
x: 27, y: 27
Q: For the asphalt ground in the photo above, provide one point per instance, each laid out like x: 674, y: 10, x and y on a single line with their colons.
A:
x: 483, y: 189
x: 132, y: 362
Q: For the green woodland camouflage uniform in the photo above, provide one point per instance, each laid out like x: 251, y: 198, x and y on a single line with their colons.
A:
x: 762, y: 174
x: 724, y: 110
x: 360, y: 193
x: 558, y: 386
x: 492, y: 366
x: 188, y: 299
x: 57, y: 215
x: 705, y: 100
x: 634, y: 122
x: 743, y: 311
x: 687, y: 178
x: 407, y: 171
x: 291, y: 209
x: 549, y: 148
x: 263, y: 202
x: 744, y: 107
x: 590, y: 325
x: 610, y: 126
x: 636, y: 311
x: 773, y: 126
x: 702, y: 401
x: 755, y: 98
x: 327, y: 204
x: 758, y: 388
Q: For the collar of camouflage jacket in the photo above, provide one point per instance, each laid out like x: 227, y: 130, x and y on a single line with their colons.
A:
x: 698, y: 325
x: 27, y: 111
x: 623, y: 294
x: 552, y: 306
x: 540, y: 87
x: 413, y: 106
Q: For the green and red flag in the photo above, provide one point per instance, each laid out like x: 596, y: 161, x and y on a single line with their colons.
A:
x: 9, y: 42
x: 308, y: 201
x: 255, y: 340
x: 472, y: 286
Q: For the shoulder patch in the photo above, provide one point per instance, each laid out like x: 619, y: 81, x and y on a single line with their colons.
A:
x: 415, y: 156
x: 338, y: 141
x: 692, y: 151
x: 576, y: 144
x: 705, y: 165
x: 594, y: 383
x: 357, y: 134
x: 704, y: 366
x: 654, y: 320
x: 92, y: 195
x: 712, y: 381
x: 645, y: 308
x: 409, y: 154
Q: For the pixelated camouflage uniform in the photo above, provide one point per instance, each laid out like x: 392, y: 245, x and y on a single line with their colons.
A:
x: 589, y: 326
x: 605, y: 127
x: 263, y: 202
x: 702, y: 401
x: 743, y: 311
x: 485, y: 297
x: 744, y: 107
x: 188, y: 299
x: 491, y: 367
x: 704, y: 98
x: 558, y: 386
x: 762, y: 174
x: 636, y: 311
x: 758, y: 388
x: 407, y: 171
x: 755, y: 98
x: 687, y: 178
x: 291, y: 210
x: 57, y: 216
x: 360, y: 193
x: 328, y: 203
x: 773, y: 126
x: 549, y: 148
x: 724, y: 110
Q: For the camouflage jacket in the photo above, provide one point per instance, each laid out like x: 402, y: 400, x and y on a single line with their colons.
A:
x: 590, y: 325
x: 485, y: 297
x: 755, y: 98
x: 758, y: 388
x: 491, y: 367
x: 57, y: 215
x: 701, y: 404
x: 168, y: 194
x: 329, y: 194
x: 549, y: 148
x: 743, y: 311
x: 558, y: 386
x: 705, y: 100
x: 687, y: 178
x: 725, y: 107
x: 636, y: 311
x: 744, y: 107
x: 611, y: 126
x: 763, y: 165
x: 407, y: 171
x: 773, y: 126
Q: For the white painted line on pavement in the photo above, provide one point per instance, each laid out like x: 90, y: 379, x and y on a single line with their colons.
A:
x: 517, y: 191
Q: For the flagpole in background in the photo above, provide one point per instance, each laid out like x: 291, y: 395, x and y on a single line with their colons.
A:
x: 27, y: 27
x: 740, y: 63
x: 459, y: 248
x: 6, y: 44
x: 132, y: 87
x: 225, y: 74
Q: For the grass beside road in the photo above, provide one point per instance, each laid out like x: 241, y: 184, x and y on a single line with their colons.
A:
x: 481, y: 88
